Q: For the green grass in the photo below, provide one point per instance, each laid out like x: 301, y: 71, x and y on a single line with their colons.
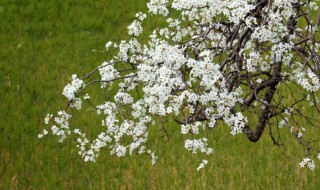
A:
x: 42, y: 44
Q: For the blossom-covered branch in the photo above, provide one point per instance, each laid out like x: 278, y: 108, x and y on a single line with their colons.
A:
x: 250, y: 64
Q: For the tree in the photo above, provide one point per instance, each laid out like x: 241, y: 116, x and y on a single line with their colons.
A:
x: 249, y: 64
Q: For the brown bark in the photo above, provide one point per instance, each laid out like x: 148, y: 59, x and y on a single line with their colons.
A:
x: 265, y: 113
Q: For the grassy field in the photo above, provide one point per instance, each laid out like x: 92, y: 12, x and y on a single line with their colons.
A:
x: 42, y: 44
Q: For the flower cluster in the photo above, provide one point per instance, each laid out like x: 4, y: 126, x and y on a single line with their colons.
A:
x: 60, y: 127
x: 202, y: 164
x: 198, y: 144
x: 307, y: 162
x: 307, y: 79
x: 135, y: 28
x: 108, y: 73
x: 70, y: 89
x: 158, y: 7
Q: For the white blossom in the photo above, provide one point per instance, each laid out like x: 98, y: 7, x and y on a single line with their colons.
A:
x: 44, y: 132
x: 76, y: 103
x: 48, y: 118
x: 202, y: 164
x: 198, y: 145
x: 141, y: 16
x: 124, y: 98
x: 70, y: 89
x: 108, y: 73
x: 135, y: 28
x: 307, y: 162
x: 108, y: 45
x: 86, y: 97
x: 158, y: 6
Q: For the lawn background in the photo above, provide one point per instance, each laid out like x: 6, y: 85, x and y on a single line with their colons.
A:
x: 42, y: 44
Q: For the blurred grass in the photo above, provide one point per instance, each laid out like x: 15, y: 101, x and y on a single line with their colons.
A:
x: 42, y: 44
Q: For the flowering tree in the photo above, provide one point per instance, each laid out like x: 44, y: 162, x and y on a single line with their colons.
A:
x: 249, y: 64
